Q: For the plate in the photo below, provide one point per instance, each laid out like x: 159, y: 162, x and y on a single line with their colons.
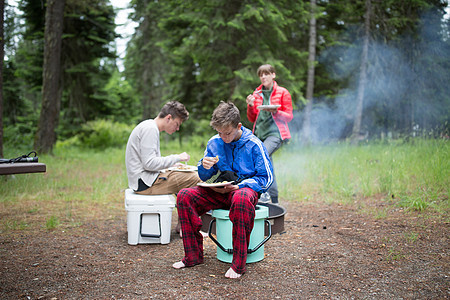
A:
x: 268, y: 106
x: 216, y: 184
x: 183, y: 168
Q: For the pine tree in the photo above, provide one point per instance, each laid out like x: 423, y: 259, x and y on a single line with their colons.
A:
x: 51, y: 87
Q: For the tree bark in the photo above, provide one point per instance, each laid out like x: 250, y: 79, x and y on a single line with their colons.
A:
x: 311, y: 70
x: 51, y: 77
x: 356, y: 133
x: 2, y: 53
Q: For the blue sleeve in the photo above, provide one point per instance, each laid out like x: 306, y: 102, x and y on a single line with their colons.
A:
x: 203, y: 173
x: 263, y: 177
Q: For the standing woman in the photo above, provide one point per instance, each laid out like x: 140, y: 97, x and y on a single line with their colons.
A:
x: 270, y: 124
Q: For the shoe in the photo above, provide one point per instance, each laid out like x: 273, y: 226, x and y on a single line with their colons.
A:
x: 264, y: 198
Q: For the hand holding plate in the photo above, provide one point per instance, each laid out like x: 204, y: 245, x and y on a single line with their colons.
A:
x: 225, y: 189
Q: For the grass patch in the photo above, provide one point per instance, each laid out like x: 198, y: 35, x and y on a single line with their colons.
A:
x: 78, y: 186
x: 83, y: 185
x: 394, y: 254
x: 411, y: 237
x: 412, y: 175
x: 52, y: 223
x: 15, y: 225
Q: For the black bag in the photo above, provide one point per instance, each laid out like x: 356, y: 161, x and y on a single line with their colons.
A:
x: 228, y: 176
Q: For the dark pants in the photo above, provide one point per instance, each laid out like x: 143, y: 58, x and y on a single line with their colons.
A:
x: 273, y: 143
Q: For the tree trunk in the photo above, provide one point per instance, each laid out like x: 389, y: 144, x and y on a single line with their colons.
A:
x: 356, y: 133
x: 2, y: 53
x: 310, y: 80
x: 51, y: 77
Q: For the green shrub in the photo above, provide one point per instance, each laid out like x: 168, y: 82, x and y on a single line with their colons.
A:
x: 19, y: 136
x: 100, y: 134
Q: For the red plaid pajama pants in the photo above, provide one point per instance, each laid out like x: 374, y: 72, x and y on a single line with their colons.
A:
x: 196, y: 201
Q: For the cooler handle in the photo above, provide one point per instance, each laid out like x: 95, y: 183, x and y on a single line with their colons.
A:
x: 230, y: 251
x: 151, y: 235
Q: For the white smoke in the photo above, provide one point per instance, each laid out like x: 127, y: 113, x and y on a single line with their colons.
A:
x: 410, y: 91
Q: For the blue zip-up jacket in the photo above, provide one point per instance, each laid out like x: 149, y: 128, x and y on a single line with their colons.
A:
x: 247, y: 157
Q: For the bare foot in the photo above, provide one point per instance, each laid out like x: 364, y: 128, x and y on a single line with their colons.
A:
x: 178, y: 229
x: 232, y: 274
x: 179, y: 265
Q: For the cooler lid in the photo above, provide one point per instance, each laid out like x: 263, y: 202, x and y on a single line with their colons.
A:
x: 131, y: 198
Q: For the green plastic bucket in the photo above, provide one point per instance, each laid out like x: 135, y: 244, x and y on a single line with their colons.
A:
x: 224, y: 229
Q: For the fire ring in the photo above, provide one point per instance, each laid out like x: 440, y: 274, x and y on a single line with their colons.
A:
x: 276, y: 219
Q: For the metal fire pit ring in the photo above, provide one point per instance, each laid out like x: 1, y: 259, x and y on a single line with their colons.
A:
x: 276, y: 219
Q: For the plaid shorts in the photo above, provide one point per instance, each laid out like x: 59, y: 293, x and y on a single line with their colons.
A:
x: 196, y: 201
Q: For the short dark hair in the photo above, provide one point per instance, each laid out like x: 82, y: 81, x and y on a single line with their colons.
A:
x: 265, y: 69
x: 175, y: 109
x: 225, y: 114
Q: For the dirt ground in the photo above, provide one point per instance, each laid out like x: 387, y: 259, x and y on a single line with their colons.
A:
x: 327, y: 251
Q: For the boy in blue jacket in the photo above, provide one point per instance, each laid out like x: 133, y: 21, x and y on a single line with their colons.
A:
x: 234, y: 150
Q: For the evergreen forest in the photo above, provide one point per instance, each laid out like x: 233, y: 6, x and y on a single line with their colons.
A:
x: 356, y: 69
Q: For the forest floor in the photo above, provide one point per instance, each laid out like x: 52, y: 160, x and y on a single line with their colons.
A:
x: 327, y: 251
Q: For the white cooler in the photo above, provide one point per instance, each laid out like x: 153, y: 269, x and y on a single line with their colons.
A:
x: 149, y: 217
